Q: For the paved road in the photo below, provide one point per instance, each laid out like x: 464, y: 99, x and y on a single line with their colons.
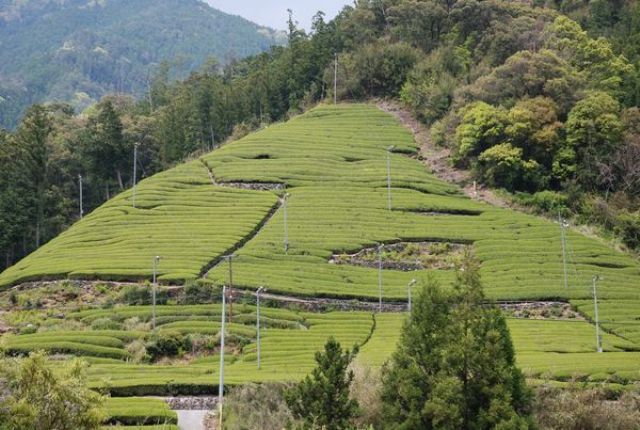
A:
x: 191, y: 420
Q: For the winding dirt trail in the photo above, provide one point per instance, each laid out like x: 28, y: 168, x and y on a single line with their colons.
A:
x: 437, y: 158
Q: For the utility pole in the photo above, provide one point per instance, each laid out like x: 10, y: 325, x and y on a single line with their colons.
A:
x: 596, y: 278
x: 380, y: 247
x: 81, y: 198
x: 389, y: 149
x: 563, y: 238
x: 335, y: 79
x: 156, y: 260
x: 221, y: 382
x: 286, y: 227
x: 411, y: 284
x: 260, y: 290
x: 135, y: 171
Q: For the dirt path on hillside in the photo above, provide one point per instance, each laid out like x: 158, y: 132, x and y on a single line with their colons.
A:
x: 437, y: 158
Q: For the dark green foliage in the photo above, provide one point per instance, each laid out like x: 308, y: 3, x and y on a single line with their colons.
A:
x: 321, y: 400
x: 199, y: 292
x: 165, y: 344
x: 142, y: 295
x: 549, y: 202
x: 76, y: 53
x: 455, y: 364
x: 628, y: 227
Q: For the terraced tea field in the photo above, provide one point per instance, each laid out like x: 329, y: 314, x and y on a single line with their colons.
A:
x: 560, y: 349
x: 554, y: 349
x: 179, y: 215
x: 333, y: 163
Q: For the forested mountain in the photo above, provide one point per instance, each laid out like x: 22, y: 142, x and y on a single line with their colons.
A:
x: 522, y: 95
x: 78, y: 50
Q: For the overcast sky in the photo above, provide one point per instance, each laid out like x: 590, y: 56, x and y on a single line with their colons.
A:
x: 273, y: 13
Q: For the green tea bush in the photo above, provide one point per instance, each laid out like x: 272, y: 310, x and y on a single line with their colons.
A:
x: 139, y: 411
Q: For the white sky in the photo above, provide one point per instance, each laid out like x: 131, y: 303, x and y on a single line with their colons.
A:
x: 273, y: 13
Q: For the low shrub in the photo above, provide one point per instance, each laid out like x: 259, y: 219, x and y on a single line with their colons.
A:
x: 105, y: 324
x: 585, y: 409
x: 198, y: 293
x: 628, y: 228
x: 544, y: 201
x: 165, y: 344
x: 257, y: 406
x: 142, y: 295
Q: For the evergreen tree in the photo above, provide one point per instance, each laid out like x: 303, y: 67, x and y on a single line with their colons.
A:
x: 107, y: 152
x: 455, y: 364
x: 321, y: 401
x: 32, y: 140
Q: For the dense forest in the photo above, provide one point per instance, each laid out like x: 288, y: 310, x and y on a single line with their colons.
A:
x: 539, y: 99
x: 79, y: 50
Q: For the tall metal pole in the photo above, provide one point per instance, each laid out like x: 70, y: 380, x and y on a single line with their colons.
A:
x: 135, y: 171
x: 260, y: 290
x: 595, y: 307
x: 222, y: 331
x: 156, y: 260
x: 81, y: 198
x: 229, y: 259
x: 335, y: 79
x: 563, y: 238
x: 411, y: 284
x: 380, y: 247
x: 389, y: 177
x: 286, y: 227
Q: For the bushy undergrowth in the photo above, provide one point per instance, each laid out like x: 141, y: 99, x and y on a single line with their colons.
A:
x: 585, y: 409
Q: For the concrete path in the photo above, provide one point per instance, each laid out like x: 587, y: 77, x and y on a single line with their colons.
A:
x: 191, y: 420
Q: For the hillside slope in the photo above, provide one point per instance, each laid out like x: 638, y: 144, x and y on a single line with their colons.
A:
x: 78, y: 50
x: 333, y: 160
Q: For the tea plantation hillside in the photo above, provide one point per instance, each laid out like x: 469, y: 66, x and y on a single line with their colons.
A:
x: 325, y: 172
x: 333, y: 161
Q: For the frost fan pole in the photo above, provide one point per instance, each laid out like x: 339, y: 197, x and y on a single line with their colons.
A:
x: 389, y: 149
x: 259, y: 345
x: 380, y: 277
x: 135, y: 171
x: 286, y: 227
x: 221, y: 383
x: 335, y: 79
x: 156, y: 260
x: 563, y: 238
x: 409, y: 286
x: 80, y: 185
x: 595, y: 308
